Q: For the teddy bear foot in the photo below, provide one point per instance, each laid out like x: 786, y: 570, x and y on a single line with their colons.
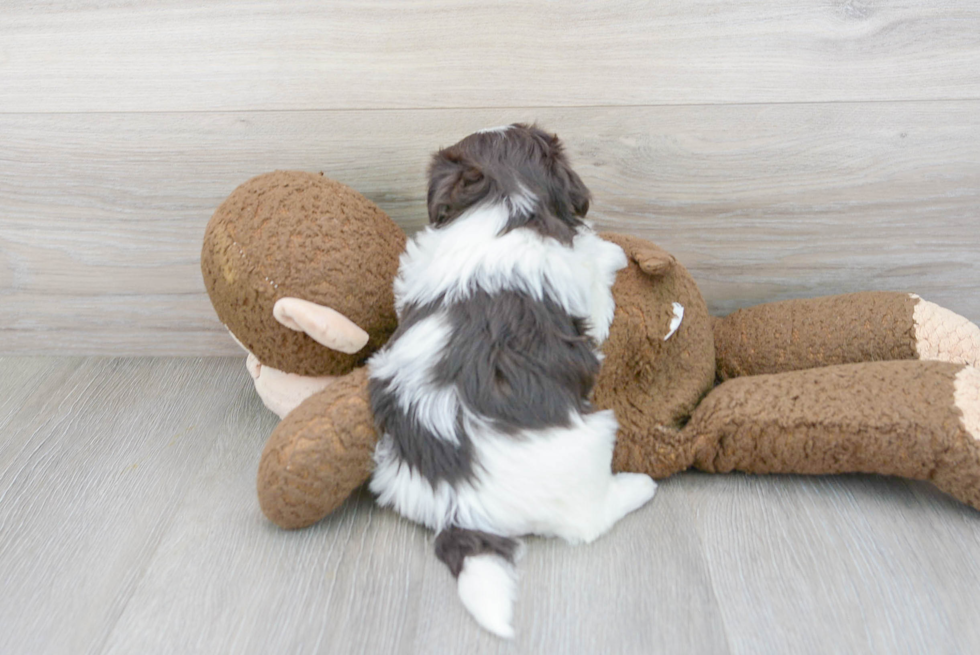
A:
x: 943, y: 335
x: 967, y: 399
x: 957, y: 469
x: 909, y: 418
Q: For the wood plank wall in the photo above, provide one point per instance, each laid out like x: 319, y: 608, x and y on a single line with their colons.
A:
x: 779, y: 149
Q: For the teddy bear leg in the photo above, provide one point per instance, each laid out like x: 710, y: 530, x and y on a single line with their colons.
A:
x: 656, y: 450
x: 943, y: 335
x: 914, y: 419
x: 871, y: 326
x: 319, y: 454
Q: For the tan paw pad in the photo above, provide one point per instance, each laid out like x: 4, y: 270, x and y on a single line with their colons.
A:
x: 967, y: 398
x: 945, y: 336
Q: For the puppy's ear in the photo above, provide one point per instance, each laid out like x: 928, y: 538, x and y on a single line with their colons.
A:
x: 578, y: 193
x: 456, y: 183
x: 570, y: 184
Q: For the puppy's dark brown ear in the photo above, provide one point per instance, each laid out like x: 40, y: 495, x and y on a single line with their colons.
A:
x: 456, y: 183
x: 569, y: 193
x: 578, y: 193
x: 571, y: 184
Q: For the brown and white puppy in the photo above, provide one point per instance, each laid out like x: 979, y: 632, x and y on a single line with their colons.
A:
x: 481, y: 395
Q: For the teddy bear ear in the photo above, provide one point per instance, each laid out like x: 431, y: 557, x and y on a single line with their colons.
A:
x: 653, y: 260
x: 324, y: 325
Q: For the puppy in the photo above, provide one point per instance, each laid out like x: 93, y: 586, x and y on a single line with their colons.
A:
x: 481, y: 397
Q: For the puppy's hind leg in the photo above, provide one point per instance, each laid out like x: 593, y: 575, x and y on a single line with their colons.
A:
x: 602, y: 498
x: 628, y: 492
x: 556, y: 483
x: 591, y: 518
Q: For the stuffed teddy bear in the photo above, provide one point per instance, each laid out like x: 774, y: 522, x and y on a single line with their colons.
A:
x: 878, y: 382
x: 285, y: 256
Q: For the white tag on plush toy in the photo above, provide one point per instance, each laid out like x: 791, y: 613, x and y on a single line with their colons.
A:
x: 676, y: 321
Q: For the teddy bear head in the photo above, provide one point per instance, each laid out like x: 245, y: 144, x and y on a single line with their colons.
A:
x: 287, y: 249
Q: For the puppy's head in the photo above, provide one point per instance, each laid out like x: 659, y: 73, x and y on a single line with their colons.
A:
x: 519, y: 165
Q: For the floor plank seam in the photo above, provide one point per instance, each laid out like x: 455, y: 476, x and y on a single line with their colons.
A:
x: 298, y: 110
x: 151, y: 558
x: 710, y: 573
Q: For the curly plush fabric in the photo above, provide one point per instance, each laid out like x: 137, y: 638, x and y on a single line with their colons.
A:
x: 651, y: 377
x: 967, y: 394
x: 295, y: 234
x: 319, y: 454
x: 913, y: 419
x: 808, y: 333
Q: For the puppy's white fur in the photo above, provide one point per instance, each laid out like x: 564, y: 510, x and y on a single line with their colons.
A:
x: 435, y: 407
x: 468, y: 255
x: 555, y: 481
x: 498, y: 128
x: 487, y: 586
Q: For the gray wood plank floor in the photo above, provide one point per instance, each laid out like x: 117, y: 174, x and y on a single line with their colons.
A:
x: 128, y: 523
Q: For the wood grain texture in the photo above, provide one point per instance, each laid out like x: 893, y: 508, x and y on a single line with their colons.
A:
x: 102, y: 215
x: 181, y: 55
x: 807, y: 565
x: 93, y: 466
x: 25, y: 378
x: 128, y: 523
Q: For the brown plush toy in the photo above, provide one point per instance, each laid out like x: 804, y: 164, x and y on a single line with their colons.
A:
x: 870, y: 382
x: 285, y: 256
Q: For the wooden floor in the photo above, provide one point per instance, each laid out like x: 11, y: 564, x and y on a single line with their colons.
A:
x: 129, y: 524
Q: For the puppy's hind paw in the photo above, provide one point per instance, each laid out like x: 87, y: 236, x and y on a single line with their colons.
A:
x: 631, y: 492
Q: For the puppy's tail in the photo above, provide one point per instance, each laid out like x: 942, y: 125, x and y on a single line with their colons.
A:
x: 486, y: 579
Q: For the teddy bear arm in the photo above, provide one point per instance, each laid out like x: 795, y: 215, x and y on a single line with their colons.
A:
x: 319, y: 454
x: 858, y: 327
x: 913, y: 419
